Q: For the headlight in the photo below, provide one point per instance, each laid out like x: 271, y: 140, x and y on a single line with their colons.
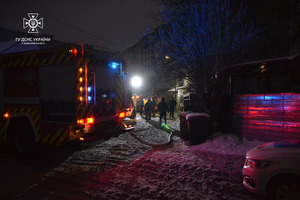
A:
x: 259, y: 164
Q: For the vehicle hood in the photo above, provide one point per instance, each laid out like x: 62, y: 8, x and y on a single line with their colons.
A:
x: 276, y: 150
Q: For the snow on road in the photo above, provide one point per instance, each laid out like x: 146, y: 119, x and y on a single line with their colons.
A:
x: 124, y: 168
x: 116, y: 149
x: 171, y: 173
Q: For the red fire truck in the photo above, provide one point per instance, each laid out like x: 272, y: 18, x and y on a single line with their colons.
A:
x: 48, y: 97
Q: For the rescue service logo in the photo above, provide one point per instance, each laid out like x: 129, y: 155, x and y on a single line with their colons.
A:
x: 33, y: 23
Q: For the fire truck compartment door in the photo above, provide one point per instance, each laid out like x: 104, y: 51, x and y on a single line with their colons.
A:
x: 57, y: 91
x: 58, y: 82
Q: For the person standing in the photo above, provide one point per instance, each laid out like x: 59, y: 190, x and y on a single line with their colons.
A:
x: 153, y: 104
x: 172, y: 105
x: 163, y: 109
x: 148, y: 109
x: 141, y: 106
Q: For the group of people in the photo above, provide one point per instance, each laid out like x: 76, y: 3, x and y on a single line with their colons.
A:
x: 162, y: 107
x: 149, y: 108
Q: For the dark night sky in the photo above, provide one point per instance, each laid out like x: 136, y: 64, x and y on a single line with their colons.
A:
x: 113, y: 24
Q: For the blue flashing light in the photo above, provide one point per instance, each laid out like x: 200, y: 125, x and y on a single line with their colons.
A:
x: 89, y: 89
x: 89, y: 98
x: 114, y: 65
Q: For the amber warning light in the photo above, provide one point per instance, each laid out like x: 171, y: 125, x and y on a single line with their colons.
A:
x: 6, y: 115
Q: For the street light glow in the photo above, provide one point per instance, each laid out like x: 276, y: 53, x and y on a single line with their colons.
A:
x: 136, y: 81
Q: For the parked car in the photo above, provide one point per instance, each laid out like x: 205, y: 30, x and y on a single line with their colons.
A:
x: 272, y: 170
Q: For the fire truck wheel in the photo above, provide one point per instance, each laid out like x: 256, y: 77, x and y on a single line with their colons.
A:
x: 21, y: 137
x: 24, y: 144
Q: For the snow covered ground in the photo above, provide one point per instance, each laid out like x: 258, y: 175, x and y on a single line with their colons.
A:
x: 220, y: 143
x: 125, y: 168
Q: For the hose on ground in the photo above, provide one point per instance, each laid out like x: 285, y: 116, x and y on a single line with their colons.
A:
x: 153, y: 145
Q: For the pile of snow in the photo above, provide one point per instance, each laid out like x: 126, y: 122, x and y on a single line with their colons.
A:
x: 227, y: 144
x: 195, y: 115
x: 220, y: 143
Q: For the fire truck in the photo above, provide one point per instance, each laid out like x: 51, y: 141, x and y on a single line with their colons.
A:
x: 49, y: 97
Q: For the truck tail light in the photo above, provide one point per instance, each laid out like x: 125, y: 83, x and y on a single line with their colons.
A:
x: 122, y: 114
x: 86, y: 121
x: 90, y: 120
x: 73, y: 51
x: 6, y: 115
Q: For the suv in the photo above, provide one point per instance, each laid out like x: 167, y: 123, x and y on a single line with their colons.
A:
x: 272, y: 170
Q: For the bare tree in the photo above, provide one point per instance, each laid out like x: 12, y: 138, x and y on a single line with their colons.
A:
x: 200, y: 35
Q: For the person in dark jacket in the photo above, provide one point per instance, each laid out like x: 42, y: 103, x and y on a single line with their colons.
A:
x: 163, y: 109
x: 172, y: 105
x: 148, y: 109
x: 141, y: 106
x: 153, y: 104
